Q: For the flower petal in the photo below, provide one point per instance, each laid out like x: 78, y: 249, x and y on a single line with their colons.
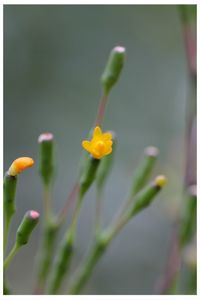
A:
x: 108, y: 151
x: 97, y: 131
x: 109, y: 143
x: 86, y: 145
x: 107, y: 136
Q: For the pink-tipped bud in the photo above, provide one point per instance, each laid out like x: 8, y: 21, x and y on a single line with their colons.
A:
x: 44, y: 137
x: 34, y: 214
x: 151, y: 151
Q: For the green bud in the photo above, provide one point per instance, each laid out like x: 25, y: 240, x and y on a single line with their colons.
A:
x: 105, y: 165
x: 46, y: 157
x: 27, y: 225
x: 113, y: 68
x: 146, y: 196
x: 144, y: 170
x: 9, y: 189
x: 88, y: 174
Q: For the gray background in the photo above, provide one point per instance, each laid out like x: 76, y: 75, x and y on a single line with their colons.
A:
x: 53, y: 59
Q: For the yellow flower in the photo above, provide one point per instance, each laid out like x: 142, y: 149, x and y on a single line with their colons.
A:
x: 19, y: 165
x: 100, y: 144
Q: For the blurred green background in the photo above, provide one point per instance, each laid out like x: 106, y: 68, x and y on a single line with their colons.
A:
x: 53, y: 59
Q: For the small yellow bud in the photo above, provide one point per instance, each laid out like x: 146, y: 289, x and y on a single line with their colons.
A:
x: 160, y: 181
x: 20, y: 164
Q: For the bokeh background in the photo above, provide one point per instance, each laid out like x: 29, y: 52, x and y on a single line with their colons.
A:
x: 53, y: 59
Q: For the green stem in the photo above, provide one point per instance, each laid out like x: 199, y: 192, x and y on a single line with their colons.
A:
x: 11, y: 255
x: 142, y: 200
x: 9, y: 188
x: 87, y: 268
x: 49, y: 236
x: 98, y: 212
x: 65, y: 253
x: 48, y: 246
x: 6, y: 231
x: 47, y: 202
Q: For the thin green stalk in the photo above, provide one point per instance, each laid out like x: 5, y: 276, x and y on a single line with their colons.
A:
x: 48, y: 246
x: 88, y: 266
x: 50, y: 231
x: 47, y: 202
x: 10, y: 256
x: 98, y: 208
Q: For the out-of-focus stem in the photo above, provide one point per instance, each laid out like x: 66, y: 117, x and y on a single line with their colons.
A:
x: 98, y: 209
x: 65, y: 253
x: 51, y: 229
x: 49, y: 240
x: 168, y: 284
x: 101, y: 110
x: 190, y: 166
x: 70, y: 199
x: 88, y: 266
x: 10, y: 256
x: 47, y: 202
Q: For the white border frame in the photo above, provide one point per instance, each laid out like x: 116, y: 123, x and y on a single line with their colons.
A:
x: 75, y: 2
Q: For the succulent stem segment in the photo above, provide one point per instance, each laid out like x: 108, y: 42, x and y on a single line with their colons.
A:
x: 24, y: 231
x: 50, y: 230
x: 141, y: 201
x: 9, y: 187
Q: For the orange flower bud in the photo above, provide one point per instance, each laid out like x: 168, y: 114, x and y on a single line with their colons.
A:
x: 20, y: 164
